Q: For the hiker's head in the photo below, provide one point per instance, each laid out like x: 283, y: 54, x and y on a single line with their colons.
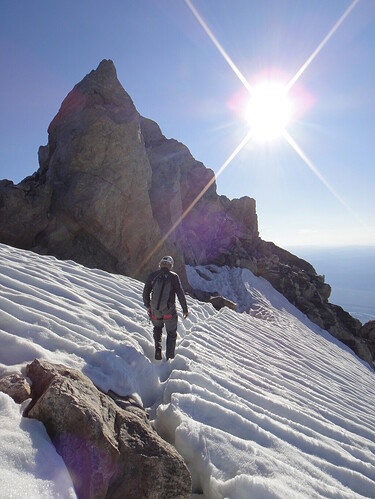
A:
x: 166, y: 262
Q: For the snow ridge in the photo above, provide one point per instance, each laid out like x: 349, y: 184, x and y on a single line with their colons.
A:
x: 261, y: 404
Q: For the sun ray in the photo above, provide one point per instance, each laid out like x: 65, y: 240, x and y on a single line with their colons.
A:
x: 321, y: 45
x: 317, y: 173
x: 230, y: 158
x: 218, y: 46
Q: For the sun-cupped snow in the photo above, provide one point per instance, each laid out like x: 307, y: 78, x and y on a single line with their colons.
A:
x: 260, y: 404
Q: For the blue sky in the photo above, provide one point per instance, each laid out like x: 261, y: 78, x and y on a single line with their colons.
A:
x: 177, y: 77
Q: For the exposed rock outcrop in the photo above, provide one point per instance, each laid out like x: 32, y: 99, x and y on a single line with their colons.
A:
x: 110, y: 452
x: 113, y: 192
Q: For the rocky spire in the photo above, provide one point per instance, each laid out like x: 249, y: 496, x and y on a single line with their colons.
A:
x: 96, y: 175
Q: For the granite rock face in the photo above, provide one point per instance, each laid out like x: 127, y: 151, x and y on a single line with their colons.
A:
x: 113, y: 192
x: 109, y: 451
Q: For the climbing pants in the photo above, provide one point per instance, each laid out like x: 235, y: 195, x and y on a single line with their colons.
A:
x: 171, y: 327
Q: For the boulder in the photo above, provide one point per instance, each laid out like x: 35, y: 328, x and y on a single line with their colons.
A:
x: 16, y: 386
x: 220, y: 302
x: 109, y: 448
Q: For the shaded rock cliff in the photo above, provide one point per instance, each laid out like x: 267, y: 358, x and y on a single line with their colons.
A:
x: 183, y: 195
x: 113, y: 192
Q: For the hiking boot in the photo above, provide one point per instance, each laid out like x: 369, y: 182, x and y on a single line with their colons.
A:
x: 157, y: 353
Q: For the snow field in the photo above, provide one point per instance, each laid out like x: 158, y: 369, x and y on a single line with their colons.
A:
x: 260, y: 405
x: 29, y: 464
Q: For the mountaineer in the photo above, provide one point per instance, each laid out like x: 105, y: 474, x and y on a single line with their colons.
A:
x: 159, y: 296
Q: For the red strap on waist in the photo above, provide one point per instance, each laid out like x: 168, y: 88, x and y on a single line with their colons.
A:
x: 165, y: 317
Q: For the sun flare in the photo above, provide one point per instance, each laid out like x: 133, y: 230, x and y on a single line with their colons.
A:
x: 268, y: 111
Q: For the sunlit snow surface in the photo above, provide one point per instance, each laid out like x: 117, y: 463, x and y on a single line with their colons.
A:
x: 260, y: 405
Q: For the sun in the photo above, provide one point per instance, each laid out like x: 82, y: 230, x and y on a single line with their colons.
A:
x: 268, y: 111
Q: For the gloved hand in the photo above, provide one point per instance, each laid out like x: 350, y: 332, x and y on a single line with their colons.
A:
x: 185, y: 315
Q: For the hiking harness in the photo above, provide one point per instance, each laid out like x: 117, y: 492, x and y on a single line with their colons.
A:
x: 152, y: 316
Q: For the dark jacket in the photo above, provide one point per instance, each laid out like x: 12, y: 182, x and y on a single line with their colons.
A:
x: 176, y: 289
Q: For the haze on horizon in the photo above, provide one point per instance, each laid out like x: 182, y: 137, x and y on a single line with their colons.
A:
x: 176, y: 76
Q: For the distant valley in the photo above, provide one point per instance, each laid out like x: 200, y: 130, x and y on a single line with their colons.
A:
x: 350, y: 271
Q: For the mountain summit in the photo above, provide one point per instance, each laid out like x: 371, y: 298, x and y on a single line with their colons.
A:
x: 113, y: 192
